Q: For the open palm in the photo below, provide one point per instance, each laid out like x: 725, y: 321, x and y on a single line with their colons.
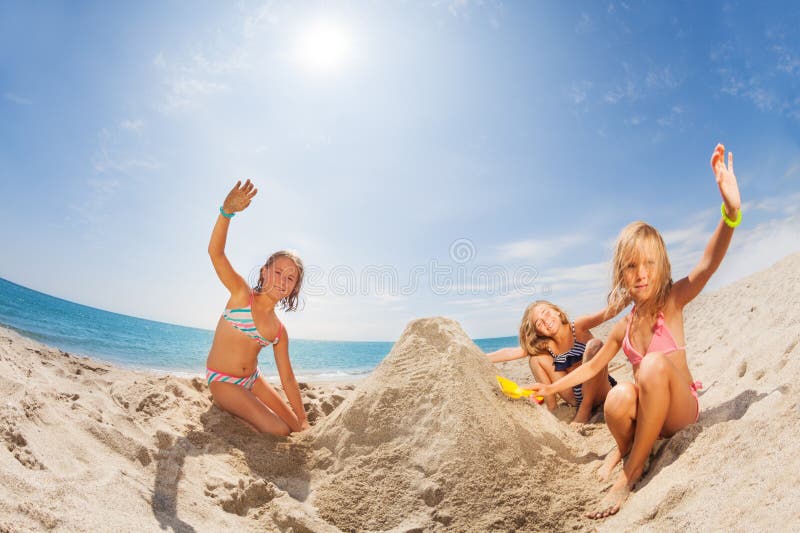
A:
x: 239, y: 197
x: 726, y: 180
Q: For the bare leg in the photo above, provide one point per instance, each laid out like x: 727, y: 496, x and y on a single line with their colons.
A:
x: 270, y: 397
x: 620, y: 413
x: 665, y: 403
x: 594, y: 390
x: 544, y: 372
x: 244, y: 404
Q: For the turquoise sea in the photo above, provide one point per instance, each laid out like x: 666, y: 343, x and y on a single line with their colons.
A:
x: 155, y: 346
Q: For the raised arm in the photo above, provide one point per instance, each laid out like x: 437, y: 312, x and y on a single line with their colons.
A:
x: 588, y: 322
x: 506, y: 354
x: 289, y: 383
x: 685, y: 290
x: 237, y: 200
x: 586, y: 371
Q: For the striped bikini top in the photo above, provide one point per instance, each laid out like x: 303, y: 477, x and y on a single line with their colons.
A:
x: 242, y: 319
x: 570, y: 357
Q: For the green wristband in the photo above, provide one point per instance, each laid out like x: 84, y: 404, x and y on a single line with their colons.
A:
x: 226, y: 215
x: 729, y: 222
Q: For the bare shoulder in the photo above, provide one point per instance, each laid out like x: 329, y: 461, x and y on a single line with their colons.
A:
x: 618, y: 330
x: 240, y: 296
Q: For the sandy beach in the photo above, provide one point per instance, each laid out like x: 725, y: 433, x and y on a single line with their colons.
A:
x: 426, y: 442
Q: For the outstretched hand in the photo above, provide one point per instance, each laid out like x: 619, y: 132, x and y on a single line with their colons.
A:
x: 539, y: 389
x: 239, y: 197
x: 726, y: 181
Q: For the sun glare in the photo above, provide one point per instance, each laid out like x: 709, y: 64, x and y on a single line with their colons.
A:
x: 324, y: 47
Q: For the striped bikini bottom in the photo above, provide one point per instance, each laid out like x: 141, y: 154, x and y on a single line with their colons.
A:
x: 577, y: 390
x: 246, y: 382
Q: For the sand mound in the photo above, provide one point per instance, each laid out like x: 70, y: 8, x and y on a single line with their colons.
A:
x: 428, y: 440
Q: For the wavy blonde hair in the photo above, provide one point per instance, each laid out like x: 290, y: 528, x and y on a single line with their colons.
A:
x: 530, y: 340
x: 639, y: 239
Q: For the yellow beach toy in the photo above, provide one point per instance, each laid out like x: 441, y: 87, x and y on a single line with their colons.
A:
x: 514, y: 391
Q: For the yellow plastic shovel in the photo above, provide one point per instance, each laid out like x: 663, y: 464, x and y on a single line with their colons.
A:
x: 514, y: 391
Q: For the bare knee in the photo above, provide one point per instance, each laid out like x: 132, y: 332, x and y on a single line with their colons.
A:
x: 621, y: 401
x: 653, y: 370
x: 592, y: 347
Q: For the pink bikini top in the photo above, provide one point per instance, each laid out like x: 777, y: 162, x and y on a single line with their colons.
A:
x: 662, y: 340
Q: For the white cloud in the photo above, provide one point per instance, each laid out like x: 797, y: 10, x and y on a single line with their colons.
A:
x: 21, y: 100
x: 132, y: 125
x: 627, y: 90
x: 753, y: 250
x: 673, y: 118
x: 585, y: 24
x: 537, y: 249
x: 186, y: 92
x: 579, y: 91
x: 662, y: 78
x: 635, y: 120
x: 105, y: 161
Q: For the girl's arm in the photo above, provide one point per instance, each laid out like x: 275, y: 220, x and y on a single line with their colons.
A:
x: 237, y: 200
x: 588, y: 322
x: 586, y: 371
x: 506, y: 354
x: 290, y: 387
x: 685, y: 290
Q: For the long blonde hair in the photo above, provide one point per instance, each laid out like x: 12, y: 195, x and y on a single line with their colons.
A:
x: 530, y: 340
x: 637, y: 239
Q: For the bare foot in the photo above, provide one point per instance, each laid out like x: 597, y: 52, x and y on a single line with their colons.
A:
x: 612, y: 459
x: 613, y: 500
x: 581, y: 418
x: 576, y: 425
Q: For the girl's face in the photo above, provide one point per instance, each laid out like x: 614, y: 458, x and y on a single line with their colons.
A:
x: 280, y: 278
x: 545, y: 320
x: 641, y: 276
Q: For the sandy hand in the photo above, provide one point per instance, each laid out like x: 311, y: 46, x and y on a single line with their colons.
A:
x: 726, y: 181
x: 239, y: 197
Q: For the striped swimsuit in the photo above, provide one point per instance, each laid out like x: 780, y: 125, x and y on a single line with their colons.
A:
x: 572, y: 356
x: 242, y: 319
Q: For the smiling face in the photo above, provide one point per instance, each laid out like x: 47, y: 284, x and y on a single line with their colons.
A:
x: 280, y: 278
x: 545, y: 320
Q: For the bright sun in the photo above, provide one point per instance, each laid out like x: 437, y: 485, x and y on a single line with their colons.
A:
x: 324, y: 47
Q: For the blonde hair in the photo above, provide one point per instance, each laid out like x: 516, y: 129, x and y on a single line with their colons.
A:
x: 291, y: 301
x: 530, y: 340
x: 635, y: 240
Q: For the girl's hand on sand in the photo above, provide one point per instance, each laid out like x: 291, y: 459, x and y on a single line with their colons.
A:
x: 239, y: 197
x: 305, y: 425
x: 726, y: 181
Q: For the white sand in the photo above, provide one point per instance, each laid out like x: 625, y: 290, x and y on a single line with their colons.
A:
x: 426, y: 442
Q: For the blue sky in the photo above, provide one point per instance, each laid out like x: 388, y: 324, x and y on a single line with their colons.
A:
x: 424, y: 158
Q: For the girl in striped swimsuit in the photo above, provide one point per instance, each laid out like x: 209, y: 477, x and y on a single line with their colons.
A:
x: 555, y: 347
x: 663, y: 400
x: 250, y: 323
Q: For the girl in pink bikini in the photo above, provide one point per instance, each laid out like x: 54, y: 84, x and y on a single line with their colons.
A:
x: 248, y: 324
x: 663, y: 400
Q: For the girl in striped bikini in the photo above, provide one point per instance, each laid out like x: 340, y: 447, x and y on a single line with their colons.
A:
x: 555, y: 347
x: 250, y: 323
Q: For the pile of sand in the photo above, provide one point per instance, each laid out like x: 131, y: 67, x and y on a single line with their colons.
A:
x: 427, y: 442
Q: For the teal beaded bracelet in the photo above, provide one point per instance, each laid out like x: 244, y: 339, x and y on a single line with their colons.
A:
x: 226, y: 215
